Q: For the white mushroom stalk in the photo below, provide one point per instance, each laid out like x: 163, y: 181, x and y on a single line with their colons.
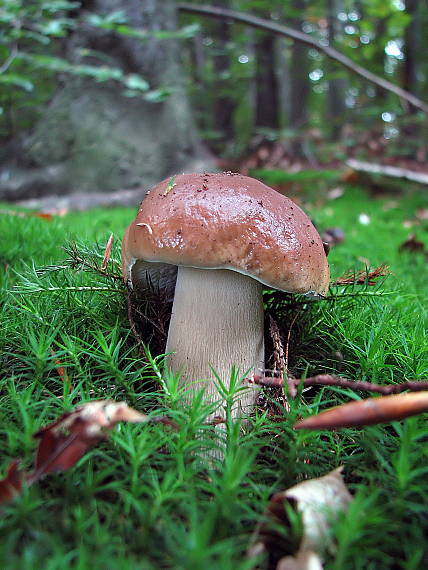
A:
x: 216, y: 324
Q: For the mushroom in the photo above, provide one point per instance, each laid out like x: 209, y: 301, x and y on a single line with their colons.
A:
x: 229, y: 235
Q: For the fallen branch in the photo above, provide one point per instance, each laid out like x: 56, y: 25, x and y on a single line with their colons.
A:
x: 132, y: 324
x: 254, y: 21
x: 389, y: 171
x: 330, y: 380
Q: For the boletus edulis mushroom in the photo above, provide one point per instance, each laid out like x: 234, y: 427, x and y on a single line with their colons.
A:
x: 229, y: 235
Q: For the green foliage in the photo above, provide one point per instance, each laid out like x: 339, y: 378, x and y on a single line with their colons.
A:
x: 32, y: 36
x: 373, y: 34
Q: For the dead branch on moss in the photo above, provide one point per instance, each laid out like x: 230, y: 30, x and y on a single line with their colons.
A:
x: 385, y: 170
x: 331, y: 380
x: 133, y: 325
x: 279, y: 361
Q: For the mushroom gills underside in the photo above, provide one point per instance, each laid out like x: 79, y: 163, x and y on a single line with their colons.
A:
x: 161, y: 277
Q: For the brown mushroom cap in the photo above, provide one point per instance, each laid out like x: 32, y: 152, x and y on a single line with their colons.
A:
x: 228, y: 221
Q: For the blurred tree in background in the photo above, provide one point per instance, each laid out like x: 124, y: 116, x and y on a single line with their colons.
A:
x: 102, y: 94
x: 303, y: 94
x: 100, y: 86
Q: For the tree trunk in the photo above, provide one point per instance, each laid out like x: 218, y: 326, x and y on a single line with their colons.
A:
x: 410, y: 48
x: 284, y: 81
x: 267, y: 85
x: 93, y: 137
x: 336, y: 85
x: 300, y: 88
x: 223, y: 104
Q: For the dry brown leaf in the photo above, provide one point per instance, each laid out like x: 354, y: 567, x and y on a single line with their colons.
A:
x: 65, y: 441
x: 350, y: 176
x: 412, y: 244
x: 42, y: 215
x: 107, y: 253
x: 368, y: 412
x: 11, y: 485
x: 319, y: 502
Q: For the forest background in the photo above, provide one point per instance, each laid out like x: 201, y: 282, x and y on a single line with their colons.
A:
x: 103, y: 95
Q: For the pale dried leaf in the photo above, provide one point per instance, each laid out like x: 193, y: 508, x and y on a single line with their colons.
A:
x: 65, y: 441
x: 319, y: 501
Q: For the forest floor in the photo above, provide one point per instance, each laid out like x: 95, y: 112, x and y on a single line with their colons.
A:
x: 146, y: 498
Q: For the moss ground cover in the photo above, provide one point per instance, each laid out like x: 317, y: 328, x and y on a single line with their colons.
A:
x: 144, y: 499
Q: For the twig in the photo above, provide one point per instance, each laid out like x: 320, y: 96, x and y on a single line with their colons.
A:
x: 22, y: 291
x: 133, y: 325
x: 330, y: 380
x: 280, y: 362
x: 288, y: 342
x: 386, y: 170
x: 364, y: 277
x: 254, y: 21
x: 80, y: 260
x: 9, y: 60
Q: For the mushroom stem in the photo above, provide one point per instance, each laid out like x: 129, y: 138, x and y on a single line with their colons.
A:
x: 216, y: 323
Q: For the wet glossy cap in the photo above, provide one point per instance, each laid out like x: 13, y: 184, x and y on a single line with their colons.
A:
x: 228, y: 221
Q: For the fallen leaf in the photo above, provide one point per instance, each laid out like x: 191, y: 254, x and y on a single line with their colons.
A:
x: 107, y: 253
x: 368, y: 412
x: 65, y: 441
x: 412, y: 244
x: 363, y: 277
x: 11, y: 485
x: 318, y: 502
x: 350, y: 176
x: 42, y: 215
x: 335, y: 193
